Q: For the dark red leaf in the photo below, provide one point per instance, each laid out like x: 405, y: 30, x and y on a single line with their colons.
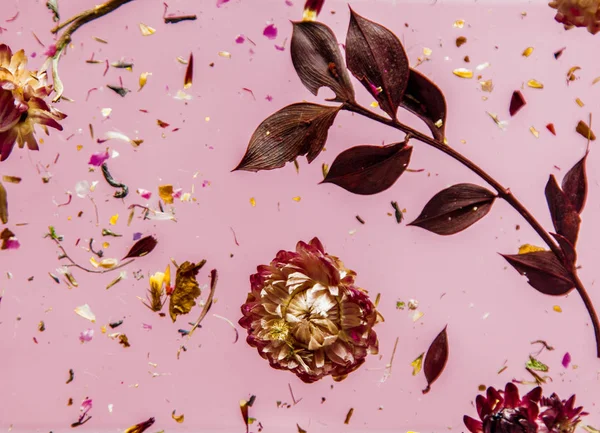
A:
x: 318, y: 61
x: 565, y: 218
x: 568, y: 249
x: 516, y: 102
x: 189, y: 73
x: 377, y: 59
x: 543, y: 271
x: 574, y: 185
x: 142, y: 247
x: 436, y: 359
x: 369, y: 170
x: 426, y: 100
x: 298, y: 129
x: 454, y: 209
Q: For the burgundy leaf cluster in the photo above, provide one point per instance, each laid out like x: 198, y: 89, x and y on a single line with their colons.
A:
x: 376, y: 58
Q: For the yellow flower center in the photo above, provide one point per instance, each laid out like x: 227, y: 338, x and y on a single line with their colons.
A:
x: 280, y: 330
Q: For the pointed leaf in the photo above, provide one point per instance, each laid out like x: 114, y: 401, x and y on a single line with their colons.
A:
x: 142, y: 247
x: 423, y: 98
x: 454, y: 209
x: 565, y: 218
x: 3, y: 205
x: 436, y: 359
x: 377, y: 59
x: 568, y: 249
x: 369, y: 170
x: 298, y: 129
x: 318, y: 60
x: 574, y: 185
x: 543, y: 271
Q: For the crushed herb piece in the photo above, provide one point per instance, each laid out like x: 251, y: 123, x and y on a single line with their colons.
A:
x: 119, y: 90
x: 397, y: 212
x: 3, y: 205
x: 349, y: 415
x: 71, y: 376
x: 124, y: 188
x: 114, y: 325
x: 536, y: 365
x: 189, y: 73
x: 461, y: 40
x: 178, y: 418
x: 359, y: 219
x: 186, y: 289
x: 124, y: 341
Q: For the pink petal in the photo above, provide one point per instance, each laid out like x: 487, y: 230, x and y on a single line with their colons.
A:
x: 144, y: 193
x: 473, y: 425
x: 566, y: 361
x: 270, y: 31
x: 86, y: 335
x: 11, y: 244
x: 221, y: 2
x: 99, y: 158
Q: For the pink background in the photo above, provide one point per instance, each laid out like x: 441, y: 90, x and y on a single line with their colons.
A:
x: 399, y: 262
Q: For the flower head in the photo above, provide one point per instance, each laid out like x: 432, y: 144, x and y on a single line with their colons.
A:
x: 505, y: 412
x: 578, y: 13
x: 304, y: 314
x: 22, y: 104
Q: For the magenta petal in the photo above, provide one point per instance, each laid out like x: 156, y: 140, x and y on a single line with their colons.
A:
x: 511, y: 396
x: 99, y: 158
x: 240, y: 39
x: 270, y: 32
x: 10, y: 110
x: 221, y: 2
x: 534, y: 395
x: 7, y: 142
x: 566, y: 361
x: 473, y: 425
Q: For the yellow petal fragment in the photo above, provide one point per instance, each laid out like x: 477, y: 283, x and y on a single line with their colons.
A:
x: 596, y: 80
x: 374, y: 104
x: 225, y: 54
x: 427, y: 51
x: 535, y: 84
x: 557, y: 308
x: 297, y: 198
x: 252, y: 202
x: 114, y: 219
x: 146, y: 30
x: 534, y: 131
x: 144, y: 79
x: 165, y: 192
x: 571, y: 73
x: 417, y: 364
x: 528, y: 248
x: 579, y: 102
x: 178, y: 418
x: 463, y: 73
x: 459, y: 24
x: 527, y: 52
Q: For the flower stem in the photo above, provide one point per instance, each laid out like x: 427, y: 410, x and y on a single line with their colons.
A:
x: 73, y: 24
x: 503, y: 193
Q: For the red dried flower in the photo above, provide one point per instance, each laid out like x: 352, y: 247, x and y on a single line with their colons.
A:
x: 22, y: 105
x: 505, y: 412
x: 304, y: 314
x: 578, y: 13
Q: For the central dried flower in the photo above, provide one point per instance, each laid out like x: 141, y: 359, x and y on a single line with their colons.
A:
x: 305, y: 314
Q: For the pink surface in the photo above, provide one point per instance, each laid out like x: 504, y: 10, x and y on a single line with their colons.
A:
x: 491, y: 312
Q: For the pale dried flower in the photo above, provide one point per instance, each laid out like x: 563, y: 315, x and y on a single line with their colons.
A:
x: 304, y: 314
x: 22, y: 103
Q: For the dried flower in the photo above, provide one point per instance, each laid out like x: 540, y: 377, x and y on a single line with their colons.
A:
x: 305, y: 314
x: 505, y: 412
x: 578, y: 13
x: 22, y: 104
